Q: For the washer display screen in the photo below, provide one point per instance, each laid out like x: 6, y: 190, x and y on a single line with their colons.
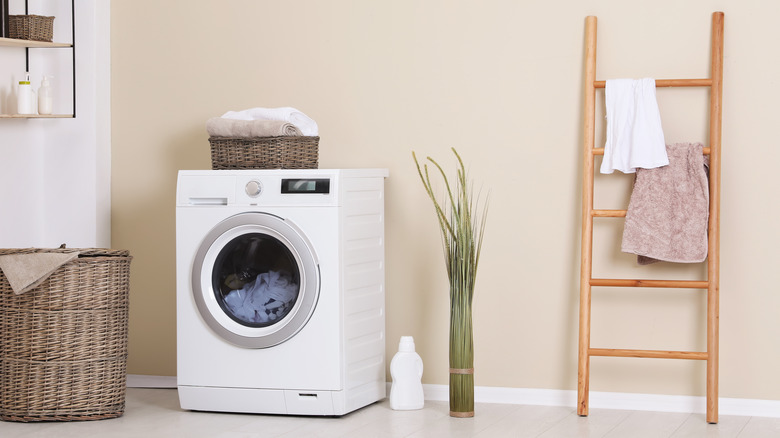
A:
x: 256, y: 280
x: 307, y: 185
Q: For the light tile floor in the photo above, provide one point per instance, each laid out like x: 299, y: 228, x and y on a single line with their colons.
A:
x: 156, y: 413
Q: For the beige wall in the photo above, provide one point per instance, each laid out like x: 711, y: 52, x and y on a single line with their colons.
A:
x: 502, y: 82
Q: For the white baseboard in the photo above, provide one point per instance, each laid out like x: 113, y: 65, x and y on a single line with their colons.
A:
x: 611, y: 400
x: 558, y: 397
x: 144, y: 381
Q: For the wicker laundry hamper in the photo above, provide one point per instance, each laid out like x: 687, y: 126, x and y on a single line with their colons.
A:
x: 63, y: 344
x: 284, y: 152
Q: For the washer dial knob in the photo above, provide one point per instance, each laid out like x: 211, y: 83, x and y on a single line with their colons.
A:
x: 253, y: 188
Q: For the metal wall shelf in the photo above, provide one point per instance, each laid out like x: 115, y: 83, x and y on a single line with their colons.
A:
x: 27, y: 45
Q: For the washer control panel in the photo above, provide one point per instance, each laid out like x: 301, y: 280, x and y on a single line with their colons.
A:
x: 275, y: 187
x: 285, y: 187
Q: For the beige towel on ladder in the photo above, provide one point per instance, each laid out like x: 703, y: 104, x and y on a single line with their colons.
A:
x: 668, y: 213
x: 27, y: 271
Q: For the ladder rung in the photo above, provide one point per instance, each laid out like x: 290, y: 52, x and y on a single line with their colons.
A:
x: 656, y: 354
x: 687, y: 284
x: 669, y: 83
x: 609, y: 213
x: 600, y: 151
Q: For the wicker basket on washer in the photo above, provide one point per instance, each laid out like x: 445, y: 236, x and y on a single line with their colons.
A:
x: 63, y: 345
x: 285, y: 152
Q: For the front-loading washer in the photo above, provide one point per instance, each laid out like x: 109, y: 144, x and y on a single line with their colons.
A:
x: 280, y: 290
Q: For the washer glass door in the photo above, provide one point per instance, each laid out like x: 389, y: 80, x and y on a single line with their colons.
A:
x: 255, y: 280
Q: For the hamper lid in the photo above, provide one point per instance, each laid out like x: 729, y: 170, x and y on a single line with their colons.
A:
x: 27, y: 268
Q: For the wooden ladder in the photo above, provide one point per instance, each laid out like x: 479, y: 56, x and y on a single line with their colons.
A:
x: 588, y: 213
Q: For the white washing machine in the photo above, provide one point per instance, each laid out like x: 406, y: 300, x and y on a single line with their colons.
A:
x: 280, y: 290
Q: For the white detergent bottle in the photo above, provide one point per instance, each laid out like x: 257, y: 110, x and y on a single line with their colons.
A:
x: 45, y: 99
x: 25, y: 103
x: 406, y: 369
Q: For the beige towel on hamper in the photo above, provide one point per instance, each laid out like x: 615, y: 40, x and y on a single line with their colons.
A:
x: 669, y: 209
x: 219, y: 127
x: 26, y: 271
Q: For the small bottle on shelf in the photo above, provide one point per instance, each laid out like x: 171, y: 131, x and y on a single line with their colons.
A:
x: 45, y: 99
x: 25, y: 103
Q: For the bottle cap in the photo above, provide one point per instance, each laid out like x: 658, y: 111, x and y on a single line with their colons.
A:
x: 406, y: 344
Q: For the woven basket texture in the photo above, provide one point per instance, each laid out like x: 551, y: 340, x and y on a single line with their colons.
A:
x: 31, y: 27
x: 63, y: 345
x: 291, y: 152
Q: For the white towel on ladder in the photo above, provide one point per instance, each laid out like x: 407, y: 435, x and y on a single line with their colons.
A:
x: 635, y: 138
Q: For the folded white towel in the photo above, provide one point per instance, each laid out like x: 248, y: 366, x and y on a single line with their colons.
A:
x: 635, y: 138
x: 219, y: 127
x: 303, y: 122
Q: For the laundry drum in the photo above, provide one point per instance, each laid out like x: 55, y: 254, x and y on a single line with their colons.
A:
x: 255, y: 280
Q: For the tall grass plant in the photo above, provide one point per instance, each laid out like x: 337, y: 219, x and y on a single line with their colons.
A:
x: 462, y: 231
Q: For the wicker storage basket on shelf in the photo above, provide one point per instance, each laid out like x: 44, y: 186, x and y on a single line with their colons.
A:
x: 31, y: 27
x: 292, y: 152
x: 63, y: 345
